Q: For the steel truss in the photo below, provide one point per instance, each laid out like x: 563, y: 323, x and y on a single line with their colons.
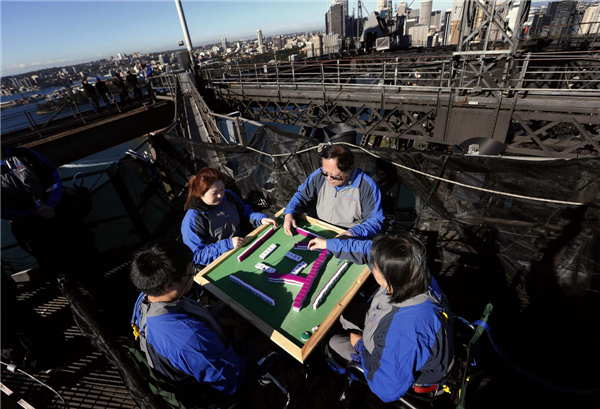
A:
x: 541, y: 104
x: 535, y: 130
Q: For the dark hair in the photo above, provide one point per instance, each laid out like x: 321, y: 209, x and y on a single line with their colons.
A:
x: 157, y: 263
x: 401, y: 260
x: 201, y: 182
x: 345, y: 158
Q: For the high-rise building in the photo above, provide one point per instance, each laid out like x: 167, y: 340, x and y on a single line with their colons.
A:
x: 224, y: 43
x: 447, y: 26
x: 425, y: 17
x: 318, y: 44
x: 279, y: 42
x: 550, y: 11
x: 457, y: 8
x: 336, y: 24
x: 512, y: 17
x: 415, y: 14
x: 436, y: 19
x: 563, y: 16
x: 410, y: 23
x: 401, y: 9
x: 310, y: 49
x: 331, y: 43
x: 592, y: 16
x: 260, y: 38
x: 418, y: 35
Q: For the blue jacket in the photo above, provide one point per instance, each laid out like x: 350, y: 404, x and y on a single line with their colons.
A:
x: 355, y: 205
x: 403, y: 343
x: 147, y: 71
x: 208, y: 234
x: 28, y: 176
x: 182, y: 340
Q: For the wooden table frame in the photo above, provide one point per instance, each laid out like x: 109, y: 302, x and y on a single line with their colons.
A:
x: 301, y: 354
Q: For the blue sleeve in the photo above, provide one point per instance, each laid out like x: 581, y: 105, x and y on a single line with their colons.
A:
x: 204, y: 253
x: 199, y: 352
x: 372, y: 213
x: 355, y: 251
x: 57, y: 188
x: 390, y: 367
x: 307, y: 192
x: 245, y: 210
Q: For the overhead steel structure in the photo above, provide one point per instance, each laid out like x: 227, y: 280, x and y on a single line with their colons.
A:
x: 537, y: 103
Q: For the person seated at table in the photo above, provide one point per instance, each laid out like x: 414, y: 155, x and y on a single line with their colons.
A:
x: 345, y: 196
x: 406, y: 335
x: 215, y: 217
x: 182, y: 341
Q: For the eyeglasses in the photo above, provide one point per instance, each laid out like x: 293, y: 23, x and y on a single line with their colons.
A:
x: 327, y: 175
x: 189, y: 275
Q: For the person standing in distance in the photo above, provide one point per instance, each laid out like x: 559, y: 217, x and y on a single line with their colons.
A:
x: 345, y: 196
x: 216, y: 219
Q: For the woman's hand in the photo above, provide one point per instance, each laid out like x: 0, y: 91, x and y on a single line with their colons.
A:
x: 238, y: 242
x: 354, y: 338
x: 267, y: 220
x: 317, y: 244
x: 344, y: 235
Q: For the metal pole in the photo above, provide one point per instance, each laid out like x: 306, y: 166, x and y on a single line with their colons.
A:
x: 323, y: 79
x: 293, y: 74
x: 186, y: 33
x: 80, y: 114
x: 32, y: 123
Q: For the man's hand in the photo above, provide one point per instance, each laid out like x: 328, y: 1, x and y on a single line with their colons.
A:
x: 317, y: 244
x: 238, y: 242
x: 354, y: 338
x: 344, y: 235
x: 268, y: 220
x: 288, y: 223
x: 45, y: 212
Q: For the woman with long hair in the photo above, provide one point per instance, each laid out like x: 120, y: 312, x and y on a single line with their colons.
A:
x: 405, y: 336
x: 214, y: 218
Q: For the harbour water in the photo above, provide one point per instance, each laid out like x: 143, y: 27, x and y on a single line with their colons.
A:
x: 21, y: 95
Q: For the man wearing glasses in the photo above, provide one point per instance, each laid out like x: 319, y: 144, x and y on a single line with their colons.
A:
x: 345, y: 196
x: 182, y: 341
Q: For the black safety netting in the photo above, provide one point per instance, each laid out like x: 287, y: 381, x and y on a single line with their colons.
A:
x: 537, y: 262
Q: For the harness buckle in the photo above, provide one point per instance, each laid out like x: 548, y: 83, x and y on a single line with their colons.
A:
x: 136, y: 331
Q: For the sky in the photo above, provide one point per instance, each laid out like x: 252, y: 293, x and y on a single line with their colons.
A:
x: 42, y: 34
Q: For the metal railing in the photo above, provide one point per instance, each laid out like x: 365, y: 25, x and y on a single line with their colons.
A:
x: 29, y: 118
x: 532, y: 72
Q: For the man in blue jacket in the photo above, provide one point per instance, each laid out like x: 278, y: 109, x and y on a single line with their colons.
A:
x: 147, y: 72
x: 406, y: 337
x: 43, y: 220
x: 182, y: 341
x: 345, y: 196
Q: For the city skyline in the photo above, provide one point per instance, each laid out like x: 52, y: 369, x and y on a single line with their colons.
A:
x: 34, y: 36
